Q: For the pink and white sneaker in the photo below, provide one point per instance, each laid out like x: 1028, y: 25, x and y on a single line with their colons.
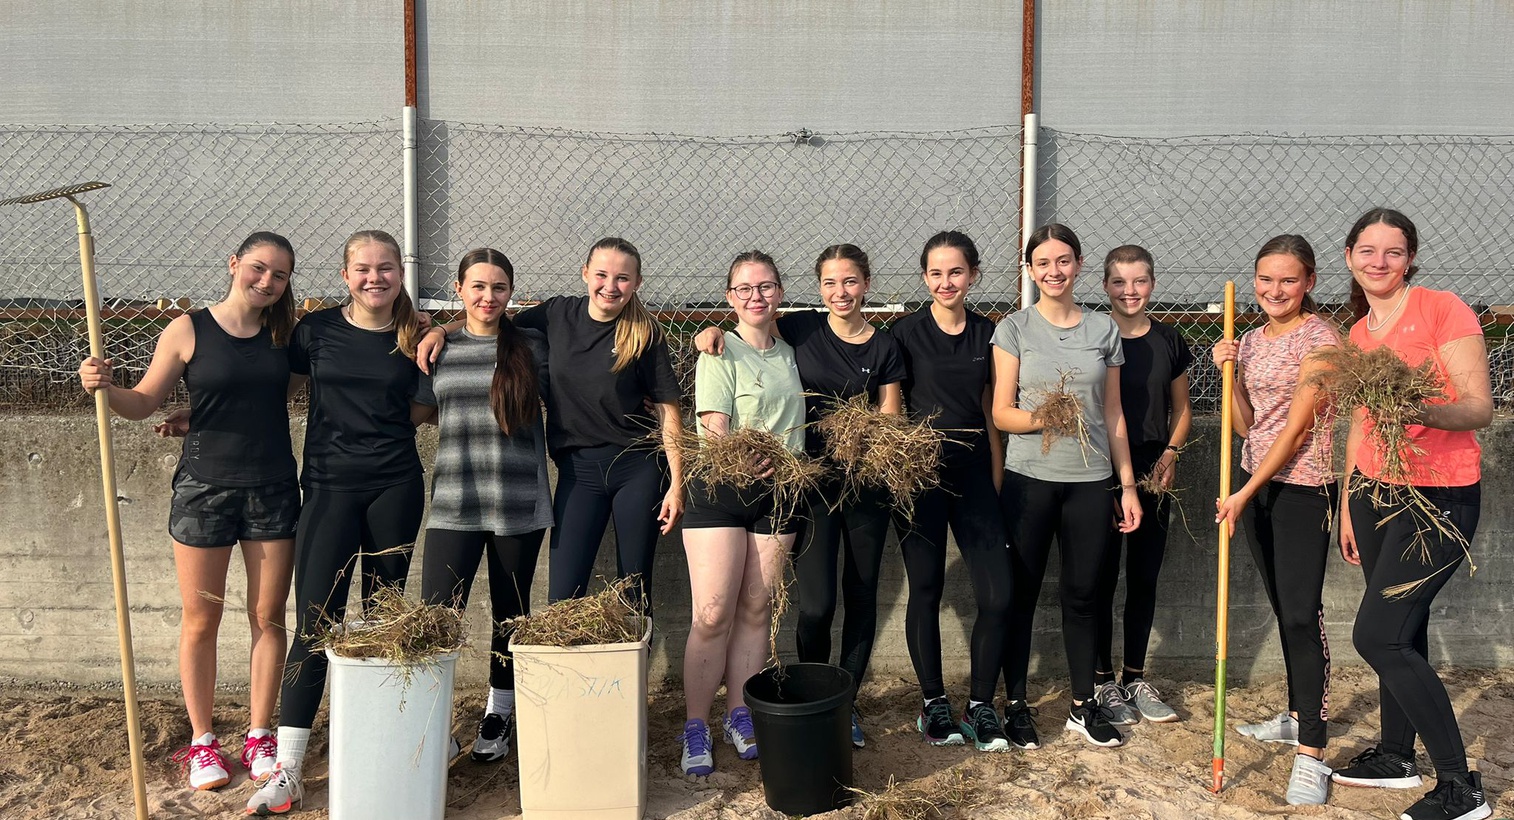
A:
x: 206, y: 764
x: 259, y: 754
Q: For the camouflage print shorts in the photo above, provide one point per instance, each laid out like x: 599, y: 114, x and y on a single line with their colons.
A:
x: 204, y: 515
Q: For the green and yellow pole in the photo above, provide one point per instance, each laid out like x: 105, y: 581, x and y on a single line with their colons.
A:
x: 1222, y: 604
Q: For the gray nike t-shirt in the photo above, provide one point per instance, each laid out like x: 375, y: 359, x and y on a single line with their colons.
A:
x: 1046, y: 351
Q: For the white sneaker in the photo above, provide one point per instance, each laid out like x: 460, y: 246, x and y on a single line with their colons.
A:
x: 698, y: 758
x: 1309, y: 784
x: 1280, y: 729
x: 739, y: 732
x: 207, y: 765
x: 278, y: 793
x: 260, y: 755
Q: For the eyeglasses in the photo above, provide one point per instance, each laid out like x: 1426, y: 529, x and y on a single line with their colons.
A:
x: 745, y: 291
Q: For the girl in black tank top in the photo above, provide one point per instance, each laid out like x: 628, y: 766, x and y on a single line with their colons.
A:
x: 235, y: 484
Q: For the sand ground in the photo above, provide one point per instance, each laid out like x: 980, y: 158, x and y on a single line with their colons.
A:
x: 65, y: 757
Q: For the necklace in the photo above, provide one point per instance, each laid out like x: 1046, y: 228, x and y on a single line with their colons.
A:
x: 347, y: 314
x: 1389, y: 317
x: 859, y: 332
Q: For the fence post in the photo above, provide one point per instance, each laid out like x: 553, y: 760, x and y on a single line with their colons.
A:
x: 1027, y: 201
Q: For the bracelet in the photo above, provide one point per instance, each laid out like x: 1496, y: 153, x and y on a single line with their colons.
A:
x: 1177, y: 452
x: 1127, y: 486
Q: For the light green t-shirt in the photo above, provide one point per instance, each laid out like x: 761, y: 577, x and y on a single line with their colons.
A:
x: 756, y: 388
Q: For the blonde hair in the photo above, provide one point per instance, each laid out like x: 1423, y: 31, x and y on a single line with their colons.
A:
x: 406, y: 325
x: 635, y: 328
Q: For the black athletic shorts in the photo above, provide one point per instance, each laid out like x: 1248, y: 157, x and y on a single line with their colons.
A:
x: 204, y: 515
x: 750, y: 509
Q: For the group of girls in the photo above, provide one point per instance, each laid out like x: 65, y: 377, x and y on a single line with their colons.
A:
x: 600, y: 365
x: 363, y: 496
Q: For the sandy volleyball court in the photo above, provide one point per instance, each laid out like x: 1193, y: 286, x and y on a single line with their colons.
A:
x: 65, y: 757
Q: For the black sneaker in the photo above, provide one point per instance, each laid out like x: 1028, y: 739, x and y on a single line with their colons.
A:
x: 1379, y: 770
x: 1456, y: 797
x: 493, y: 740
x: 936, y: 725
x: 1020, y: 725
x: 1091, y: 720
x: 981, y: 723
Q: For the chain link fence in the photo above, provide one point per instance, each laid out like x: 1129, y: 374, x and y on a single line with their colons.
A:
x: 184, y: 196
x: 1204, y: 205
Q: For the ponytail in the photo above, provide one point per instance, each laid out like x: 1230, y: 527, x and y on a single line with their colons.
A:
x: 514, y: 395
x: 635, y: 331
x: 407, y: 328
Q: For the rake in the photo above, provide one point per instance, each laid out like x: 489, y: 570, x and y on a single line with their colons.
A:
x: 107, y: 478
x: 1222, y: 604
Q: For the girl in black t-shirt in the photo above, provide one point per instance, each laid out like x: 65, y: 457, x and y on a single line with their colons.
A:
x: 1154, y: 397
x: 235, y: 484
x: 608, y: 356
x: 840, y: 356
x: 364, y: 495
x: 948, y: 358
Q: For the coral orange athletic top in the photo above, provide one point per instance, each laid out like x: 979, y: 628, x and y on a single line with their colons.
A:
x: 1430, y: 319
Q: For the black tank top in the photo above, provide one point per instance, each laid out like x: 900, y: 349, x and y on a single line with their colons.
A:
x: 239, y: 411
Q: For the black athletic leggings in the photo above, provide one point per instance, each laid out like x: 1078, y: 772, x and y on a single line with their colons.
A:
x: 592, y: 484
x: 1288, y: 527
x: 860, y: 525
x: 966, y: 500
x: 448, y: 564
x: 1144, y: 551
x: 336, y: 526
x: 1077, y: 514
x: 1392, y: 635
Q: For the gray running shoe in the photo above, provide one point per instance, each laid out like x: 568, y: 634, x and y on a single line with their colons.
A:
x: 1112, y: 697
x: 1309, y: 784
x: 278, y: 792
x: 1148, y: 701
x: 1281, y: 729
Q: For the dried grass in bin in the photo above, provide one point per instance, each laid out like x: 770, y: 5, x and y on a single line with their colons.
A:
x: 607, y: 616
x: 882, y: 450
x: 397, y: 629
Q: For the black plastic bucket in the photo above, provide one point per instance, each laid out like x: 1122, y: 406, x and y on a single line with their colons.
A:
x: 803, y: 718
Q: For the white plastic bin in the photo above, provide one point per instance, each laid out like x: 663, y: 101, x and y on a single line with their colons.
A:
x: 581, y: 730
x: 390, y: 738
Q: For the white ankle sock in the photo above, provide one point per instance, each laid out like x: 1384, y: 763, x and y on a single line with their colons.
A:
x: 501, y: 702
x: 205, y: 739
x: 292, y: 742
x: 255, y: 733
x: 973, y: 704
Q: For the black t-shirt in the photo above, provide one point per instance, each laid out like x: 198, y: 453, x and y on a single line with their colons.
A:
x: 239, y: 409
x: 359, y: 435
x: 1152, y: 362
x: 588, y: 406
x: 832, y: 369
x: 947, y: 373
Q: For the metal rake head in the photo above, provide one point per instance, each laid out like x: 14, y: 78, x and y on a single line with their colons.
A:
x: 55, y: 193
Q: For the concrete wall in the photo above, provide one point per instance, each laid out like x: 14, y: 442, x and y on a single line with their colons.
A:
x: 1153, y: 68
x: 57, y: 622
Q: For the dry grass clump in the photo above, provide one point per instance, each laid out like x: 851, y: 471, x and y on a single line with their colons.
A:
x: 882, y: 450
x: 402, y: 631
x: 737, y: 460
x: 1393, y: 395
x: 954, y: 791
x: 1391, y: 392
x: 607, y: 616
x: 1060, y: 414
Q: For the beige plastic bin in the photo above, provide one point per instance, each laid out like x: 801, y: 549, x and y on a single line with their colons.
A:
x: 390, y: 738
x: 581, y: 730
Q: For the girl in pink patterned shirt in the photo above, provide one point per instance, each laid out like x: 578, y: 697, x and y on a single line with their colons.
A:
x: 1288, y: 494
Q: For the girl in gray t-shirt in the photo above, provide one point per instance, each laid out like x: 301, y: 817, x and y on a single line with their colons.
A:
x: 1075, y: 489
